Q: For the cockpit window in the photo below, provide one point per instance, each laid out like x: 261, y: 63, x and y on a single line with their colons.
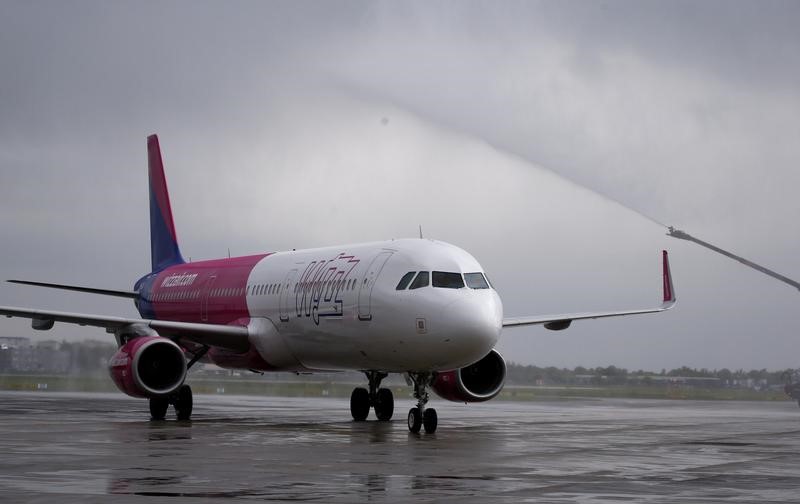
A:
x: 422, y: 280
x: 476, y: 281
x: 405, y: 280
x: 448, y: 280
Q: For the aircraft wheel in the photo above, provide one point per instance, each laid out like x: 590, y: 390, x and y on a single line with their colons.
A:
x: 158, y: 408
x: 359, y: 404
x: 384, y: 404
x: 414, y: 420
x: 430, y: 420
x: 183, y: 402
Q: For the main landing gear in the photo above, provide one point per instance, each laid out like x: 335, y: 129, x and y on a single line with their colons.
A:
x: 420, y: 416
x: 181, y: 400
x: 380, y: 399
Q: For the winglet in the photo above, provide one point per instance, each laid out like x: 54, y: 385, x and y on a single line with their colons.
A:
x: 669, y: 290
x: 164, y: 250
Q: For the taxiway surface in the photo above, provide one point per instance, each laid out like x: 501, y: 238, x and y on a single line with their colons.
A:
x: 94, y: 448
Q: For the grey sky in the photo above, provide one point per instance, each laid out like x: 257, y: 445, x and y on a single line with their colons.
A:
x: 287, y: 124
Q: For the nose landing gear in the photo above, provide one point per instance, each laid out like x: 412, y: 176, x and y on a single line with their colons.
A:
x: 419, y: 416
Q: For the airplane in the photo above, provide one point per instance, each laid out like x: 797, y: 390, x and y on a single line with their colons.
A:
x: 419, y: 307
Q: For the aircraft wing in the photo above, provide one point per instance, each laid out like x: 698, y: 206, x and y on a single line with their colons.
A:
x: 562, y: 321
x: 224, y: 336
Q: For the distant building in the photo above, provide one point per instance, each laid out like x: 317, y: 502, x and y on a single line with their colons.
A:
x: 19, y: 356
x: 7, y: 342
x: 689, y: 381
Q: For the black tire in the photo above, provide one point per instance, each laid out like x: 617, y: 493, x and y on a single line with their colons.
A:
x: 414, y: 420
x: 183, y: 403
x: 430, y: 420
x: 359, y: 404
x: 158, y: 408
x: 384, y: 405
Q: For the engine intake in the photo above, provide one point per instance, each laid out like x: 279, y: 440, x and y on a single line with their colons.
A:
x: 148, y: 366
x: 477, y: 382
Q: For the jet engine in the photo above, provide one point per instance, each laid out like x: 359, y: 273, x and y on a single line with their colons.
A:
x: 148, y: 366
x: 477, y: 382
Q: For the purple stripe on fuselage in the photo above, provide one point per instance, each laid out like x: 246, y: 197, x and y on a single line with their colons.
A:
x: 213, y: 292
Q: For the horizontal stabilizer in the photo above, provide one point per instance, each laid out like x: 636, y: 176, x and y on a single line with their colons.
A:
x: 90, y: 290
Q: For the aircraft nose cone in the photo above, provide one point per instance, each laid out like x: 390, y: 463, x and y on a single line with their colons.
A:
x: 475, y: 323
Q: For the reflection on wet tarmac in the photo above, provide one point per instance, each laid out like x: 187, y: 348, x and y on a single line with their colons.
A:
x: 70, y: 446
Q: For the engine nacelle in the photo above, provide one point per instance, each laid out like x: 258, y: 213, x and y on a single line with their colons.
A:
x: 148, y: 366
x: 477, y: 382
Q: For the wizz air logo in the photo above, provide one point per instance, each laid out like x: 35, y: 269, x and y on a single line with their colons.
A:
x: 321, y: 286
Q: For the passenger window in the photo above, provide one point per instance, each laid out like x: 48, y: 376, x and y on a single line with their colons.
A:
x: 447, y: 280
x: 422, y: 280
x: 476, y: 281
x: 405, y: 280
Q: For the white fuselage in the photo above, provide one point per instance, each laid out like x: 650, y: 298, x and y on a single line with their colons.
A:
x: 340, y: 308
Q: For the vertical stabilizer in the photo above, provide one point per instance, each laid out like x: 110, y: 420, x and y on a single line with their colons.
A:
x: 164, y: 249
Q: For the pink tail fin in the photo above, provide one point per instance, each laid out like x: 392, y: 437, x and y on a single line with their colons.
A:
x: 164, y: 250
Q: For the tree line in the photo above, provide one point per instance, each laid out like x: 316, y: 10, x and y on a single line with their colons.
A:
x: 521, y: 374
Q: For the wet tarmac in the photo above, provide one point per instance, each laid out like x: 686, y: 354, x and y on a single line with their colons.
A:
x: 101, y: 448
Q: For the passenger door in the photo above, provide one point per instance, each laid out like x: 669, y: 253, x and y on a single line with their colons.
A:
x: 368, y: 282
